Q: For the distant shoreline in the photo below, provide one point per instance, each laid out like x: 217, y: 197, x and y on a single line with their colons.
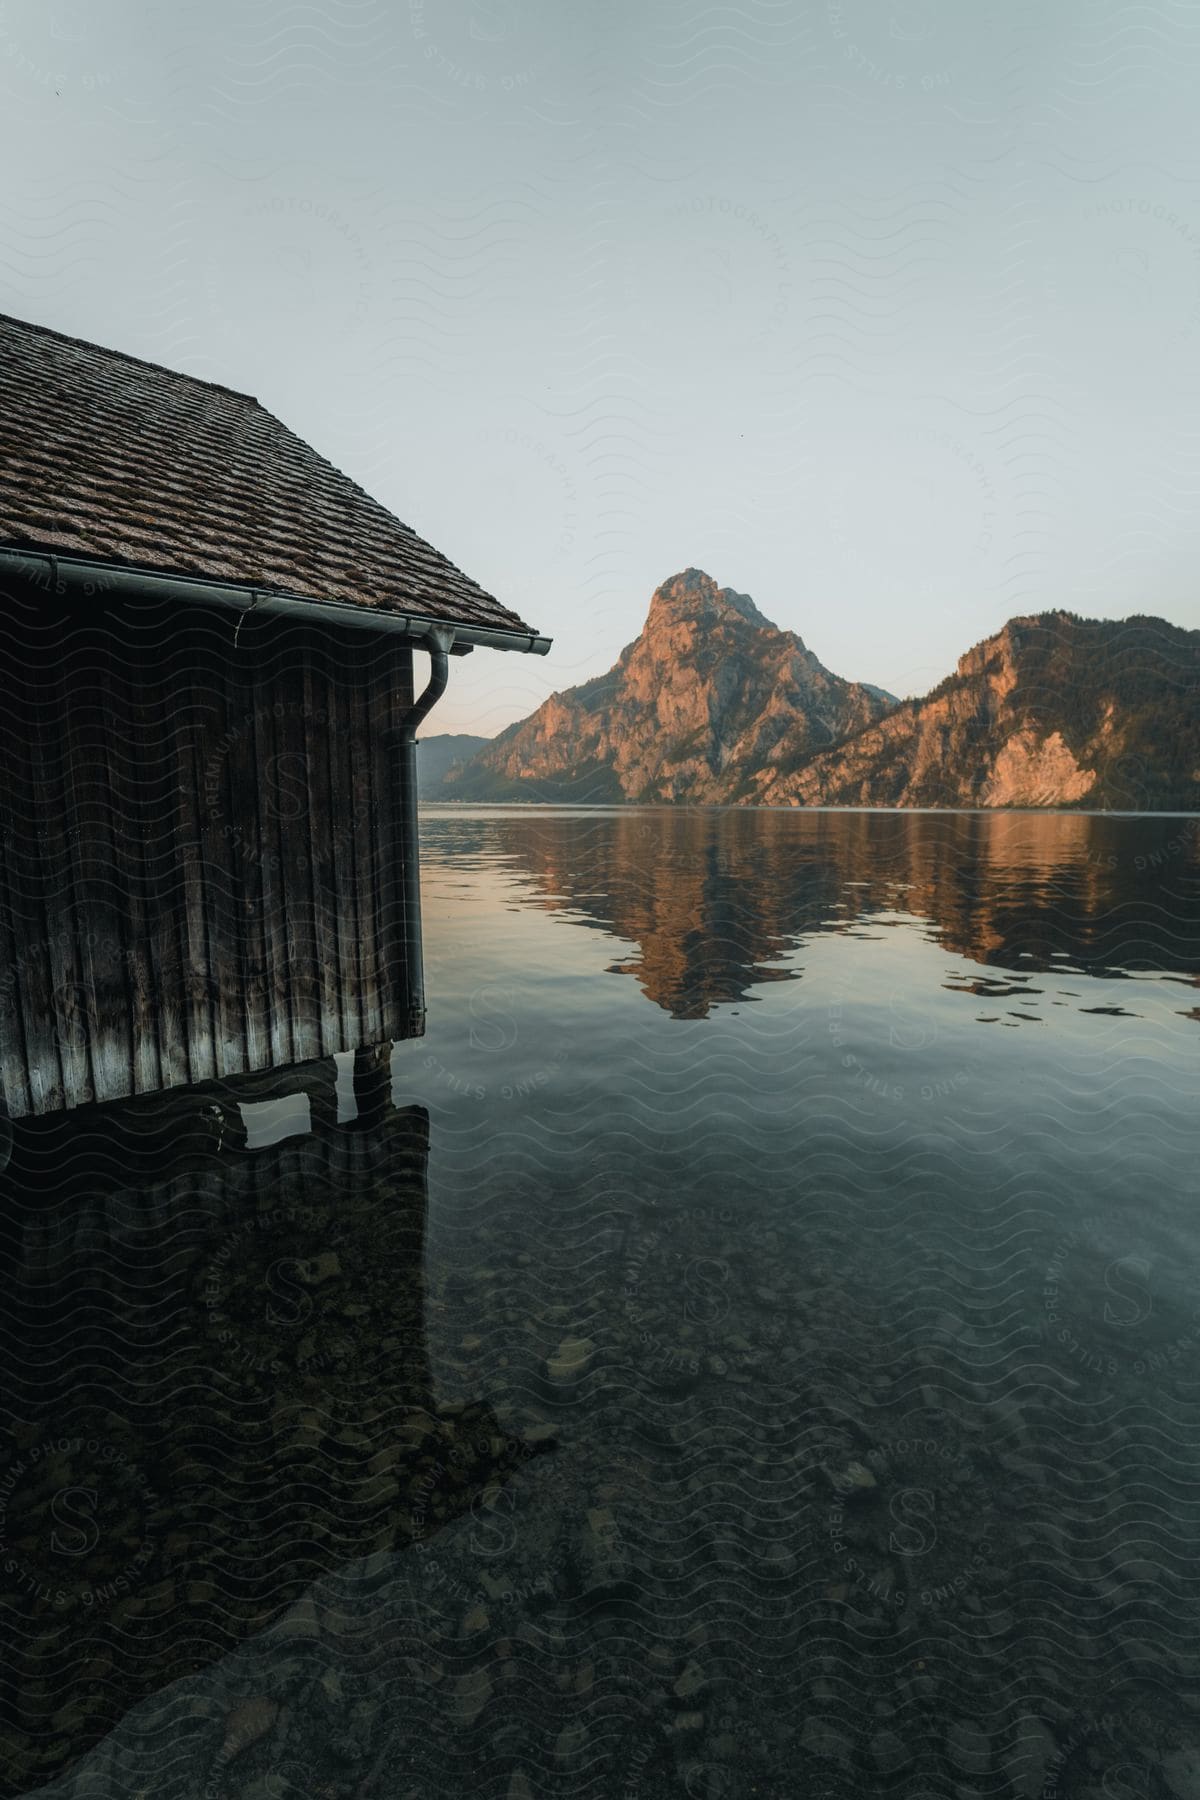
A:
x: 681, y: 806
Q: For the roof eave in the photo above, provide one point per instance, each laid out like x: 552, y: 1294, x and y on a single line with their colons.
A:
x: 87, y: 575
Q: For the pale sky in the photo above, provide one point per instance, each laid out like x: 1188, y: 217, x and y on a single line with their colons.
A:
x: 885, y: 312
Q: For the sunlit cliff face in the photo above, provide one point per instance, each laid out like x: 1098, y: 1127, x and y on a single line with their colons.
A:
x: 1051, y: 711
x: 710, y: 692
x: 714, y: 705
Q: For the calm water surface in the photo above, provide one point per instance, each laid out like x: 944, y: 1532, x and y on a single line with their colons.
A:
x: 755, y: 1350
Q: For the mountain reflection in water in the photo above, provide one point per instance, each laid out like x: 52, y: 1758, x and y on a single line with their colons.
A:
x: 715, y: 900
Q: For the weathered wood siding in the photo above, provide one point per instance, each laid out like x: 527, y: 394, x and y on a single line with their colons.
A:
x: 200, y: 845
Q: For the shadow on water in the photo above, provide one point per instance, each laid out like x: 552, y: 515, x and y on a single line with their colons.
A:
x: 216, y: 1383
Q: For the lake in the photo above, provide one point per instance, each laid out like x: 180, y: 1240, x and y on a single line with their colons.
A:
x: 749, y: 1346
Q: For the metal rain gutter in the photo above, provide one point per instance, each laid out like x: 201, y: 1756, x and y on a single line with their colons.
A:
x: 79, y: 574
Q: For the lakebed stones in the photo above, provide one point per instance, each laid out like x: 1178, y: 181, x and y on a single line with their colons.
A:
x: 604, y: 1562
x: 691, y: 1300
x: 79, y: 1520
x: 690, y: 1682
x: 826, y: 1739
x: 571, y: 1360
x: 889, y: 1752
x: 853, y: 1480
x: 1134, y: 1742
x: 494, y: 1562
x: 1116, y: 1310
x: 911, y: 1523
x: 300, y: 1298
x: 529, y: 1585
x: 969, y: 1747
x: 1181, y: 1772
x: 249, y: 1720
x: 1028, y: 1756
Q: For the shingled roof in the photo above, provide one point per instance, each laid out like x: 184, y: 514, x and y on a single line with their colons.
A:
x: 108, y: 457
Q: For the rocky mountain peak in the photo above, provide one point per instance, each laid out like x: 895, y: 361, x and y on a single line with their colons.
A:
x: 1003, y: 648
x: 693, y: 597
x: 708, y: 694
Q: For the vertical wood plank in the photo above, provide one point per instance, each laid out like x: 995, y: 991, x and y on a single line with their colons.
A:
x: 299, y: 827
x: 219, y: 874
x: 270, y: 705
x: 72, y: 996
x: 345, y: 914
x: 82, y: 721
x: 44, y: 967
x: 185, y: 677
x: 362, y: 825
x: 128, y: 747
x: 325, y: 829
x: 151, y: 628
x: 258, y: 942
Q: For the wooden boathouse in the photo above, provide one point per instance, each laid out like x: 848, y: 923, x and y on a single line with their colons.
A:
x: 208, y: 815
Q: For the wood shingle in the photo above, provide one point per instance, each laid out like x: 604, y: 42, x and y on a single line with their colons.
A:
x: 110, y: 458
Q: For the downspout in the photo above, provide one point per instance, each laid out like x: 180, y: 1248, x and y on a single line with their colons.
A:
x: 437, y: 641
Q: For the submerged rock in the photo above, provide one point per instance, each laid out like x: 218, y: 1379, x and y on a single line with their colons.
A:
x: 852, y: 1481
x: 570, y: 1359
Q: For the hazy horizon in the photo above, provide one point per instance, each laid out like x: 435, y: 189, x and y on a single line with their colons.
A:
x: 886, y: 316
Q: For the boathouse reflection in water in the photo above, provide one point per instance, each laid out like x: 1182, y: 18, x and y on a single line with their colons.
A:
x: 216, y: 1377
